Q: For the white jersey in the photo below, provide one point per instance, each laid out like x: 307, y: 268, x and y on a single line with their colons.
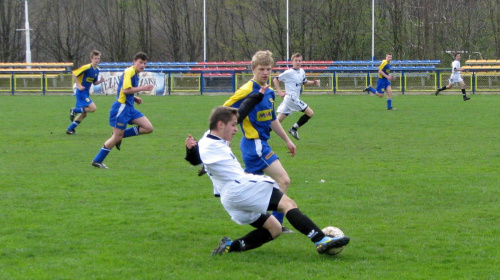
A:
x: 455, y: 65
x: 220, y: 162
x: 244, y: 196
x: 455, y: 74
x: 293, y: 79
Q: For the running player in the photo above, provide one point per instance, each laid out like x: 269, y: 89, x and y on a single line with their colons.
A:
x: 123, y: 112
x: 456, y: 77
x: 384, y: 81
x: 294, y: 78
x: 84, y: 77
x: 258, y: 156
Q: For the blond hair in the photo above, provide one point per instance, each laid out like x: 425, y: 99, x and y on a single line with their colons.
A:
x: 263, y: 58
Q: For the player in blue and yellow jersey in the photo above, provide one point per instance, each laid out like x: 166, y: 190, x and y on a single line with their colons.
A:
x: 384, y: 81
x: 257, y: 155
x: 123, y: 112
x: 84, y: 77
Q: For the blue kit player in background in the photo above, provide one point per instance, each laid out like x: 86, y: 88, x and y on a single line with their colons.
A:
x: 84, y: 77
x: 257, y: 155
x: 123, y: 112
x: 384, y: 81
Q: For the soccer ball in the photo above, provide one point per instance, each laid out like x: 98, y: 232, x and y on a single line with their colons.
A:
x: 333, y: 232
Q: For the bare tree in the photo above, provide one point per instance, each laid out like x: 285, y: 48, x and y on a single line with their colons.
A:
x: 113, y: 28
x: 11, y: 17
x: 172, y: 30
x: 61, y: 30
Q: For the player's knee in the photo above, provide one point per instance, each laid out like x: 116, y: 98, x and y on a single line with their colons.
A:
x: 284, y: 183
x: 146, y: 129
x: 286, y: 204
x: 275, y: 231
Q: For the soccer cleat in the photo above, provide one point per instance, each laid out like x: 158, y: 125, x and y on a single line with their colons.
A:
x: 71, y: 115
x: 70, y: 132
x: 99, y: 165
x: 118, y: 145
x: 328, y: 243
x: 202, y: 171
x: 294, y: 133
x: 466, y: 98
x: 367, y: 89
x: 392, y: 108
x: 437, y: 92
x: 224, y: 246
x: 286, y: 230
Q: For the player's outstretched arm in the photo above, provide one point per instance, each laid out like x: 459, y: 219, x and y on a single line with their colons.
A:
x: 192, y: 152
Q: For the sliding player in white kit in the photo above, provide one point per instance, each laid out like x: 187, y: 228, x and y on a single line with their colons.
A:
x: 247, y: 197
x: 294, y: 78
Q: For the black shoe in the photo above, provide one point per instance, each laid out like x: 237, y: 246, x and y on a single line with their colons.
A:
x: 367, y: 89
x: 119, y: 144
x: 466, y: 98
x: 71, y: 115
x: 286, y: 230
x: 437, y: 92
x: 70, y: 132
x: 99, y: 165
x: 392, y: 108
x: 202, y: 171
x: 294, y: 133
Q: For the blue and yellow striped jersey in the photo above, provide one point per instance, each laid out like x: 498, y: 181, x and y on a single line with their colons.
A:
x: 385, y: 67
x: 257, y: 124
x: 86, y: 75
x: 129, y: 79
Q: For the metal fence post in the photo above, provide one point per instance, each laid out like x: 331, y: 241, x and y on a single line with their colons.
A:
x: 12, y: 84
x: 403, y: 83
x: 473, y: 82
x: 202, y: 83
x: 43, y: 83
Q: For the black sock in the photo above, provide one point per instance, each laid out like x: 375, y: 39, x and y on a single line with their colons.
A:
x: 252, y: 240
x: 463, y: 93
x: 303, y: 120
x: 305, y: 225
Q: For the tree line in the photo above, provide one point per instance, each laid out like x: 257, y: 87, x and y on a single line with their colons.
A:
x: 172, y: 30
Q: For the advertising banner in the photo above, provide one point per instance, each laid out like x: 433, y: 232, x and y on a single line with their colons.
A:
x: 112, y: 79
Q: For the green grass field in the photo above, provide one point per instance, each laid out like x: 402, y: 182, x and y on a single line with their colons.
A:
x: 416, y: 189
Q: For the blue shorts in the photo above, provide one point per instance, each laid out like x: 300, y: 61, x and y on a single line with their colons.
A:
x: 82, y: 98
x: 120, y: 115
x: 382, y: 84
x: 257, y: 155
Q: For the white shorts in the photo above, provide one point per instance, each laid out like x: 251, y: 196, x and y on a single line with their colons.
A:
x: 455, y: 79
x: 246, y: 200
x: 291, y: 104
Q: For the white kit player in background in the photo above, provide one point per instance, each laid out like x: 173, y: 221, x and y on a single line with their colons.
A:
x: 247, y: 197
x: 294, y: 78
x: 455, y: 78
